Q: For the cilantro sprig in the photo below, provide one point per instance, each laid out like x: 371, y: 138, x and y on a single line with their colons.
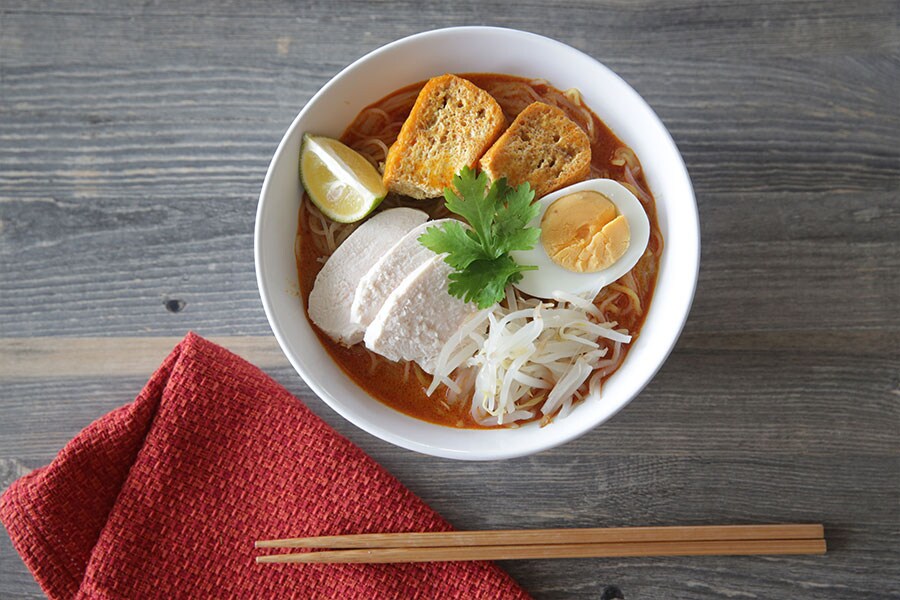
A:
x: 498, y: 215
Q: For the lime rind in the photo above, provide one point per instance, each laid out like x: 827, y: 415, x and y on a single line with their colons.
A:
x: 344, y: 190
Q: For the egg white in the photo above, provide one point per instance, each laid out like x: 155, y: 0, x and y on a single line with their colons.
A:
x: 550, y: 277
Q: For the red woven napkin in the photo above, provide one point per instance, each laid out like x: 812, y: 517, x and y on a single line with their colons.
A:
x: 164, y: 497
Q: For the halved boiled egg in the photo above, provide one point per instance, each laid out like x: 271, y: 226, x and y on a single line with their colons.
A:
x: 592, y: 233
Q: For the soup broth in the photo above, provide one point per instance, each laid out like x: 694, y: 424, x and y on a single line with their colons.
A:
x: 402, y: 386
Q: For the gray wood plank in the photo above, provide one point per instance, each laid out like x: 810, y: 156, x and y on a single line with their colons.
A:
x: 788, y: 401
x: 797, y: 27
x: 621, y: 477
x: 820, y: 182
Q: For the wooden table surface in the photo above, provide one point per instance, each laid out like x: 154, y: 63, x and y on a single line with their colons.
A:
x: 133, y: 144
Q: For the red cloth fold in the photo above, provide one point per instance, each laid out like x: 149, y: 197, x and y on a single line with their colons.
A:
x: 164, y: 497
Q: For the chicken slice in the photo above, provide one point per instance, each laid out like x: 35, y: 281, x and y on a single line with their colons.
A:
x: 418, y: 317
x: 335, y: 286
x: 388, y: 272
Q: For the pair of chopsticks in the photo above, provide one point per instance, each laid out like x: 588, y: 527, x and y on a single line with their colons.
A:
x: 552, y: 543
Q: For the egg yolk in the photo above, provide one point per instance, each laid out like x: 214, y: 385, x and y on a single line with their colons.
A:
x: 582, y: 232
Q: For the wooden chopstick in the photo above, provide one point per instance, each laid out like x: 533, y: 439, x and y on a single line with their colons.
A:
x: 695, y: 548
x: 553, y: 536
x: 554, y: 543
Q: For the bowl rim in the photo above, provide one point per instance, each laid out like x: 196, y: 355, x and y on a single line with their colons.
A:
x: 391, y: 436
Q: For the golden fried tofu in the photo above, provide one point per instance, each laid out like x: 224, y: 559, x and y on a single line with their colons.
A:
x: 450, y: 126
x: 543, y: 147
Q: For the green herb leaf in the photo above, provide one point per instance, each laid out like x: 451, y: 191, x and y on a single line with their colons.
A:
x: 459, y: 243
x: 484, y: 281
x: 472, y: 203
x: 512, y: 218
x: 499, y: 216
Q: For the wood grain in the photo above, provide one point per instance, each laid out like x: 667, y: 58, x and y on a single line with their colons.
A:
x: 133, y: 143
x: 551, y: 551
x: 543, y: 537
x: 48, y: 358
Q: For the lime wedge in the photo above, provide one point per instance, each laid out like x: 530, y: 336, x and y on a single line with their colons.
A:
x: 339, y: 180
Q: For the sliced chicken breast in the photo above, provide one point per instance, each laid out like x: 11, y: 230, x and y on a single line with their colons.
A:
x: 388, y: 272
x: 335, y: 286
x: 418, y: 317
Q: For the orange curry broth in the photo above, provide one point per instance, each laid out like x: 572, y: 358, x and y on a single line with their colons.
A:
x: 386, y: 382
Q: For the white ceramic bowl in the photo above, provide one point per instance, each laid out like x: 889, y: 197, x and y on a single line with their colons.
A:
x: 481, y: 50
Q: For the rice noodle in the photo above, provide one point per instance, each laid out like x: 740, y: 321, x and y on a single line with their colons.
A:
x: 640, y: 192
x: 594, y: 384
x: 401, y: 101
x: 365, y: 148
x: 373, y: 363
x: 364, y: 123
x: 574, y: 96
x: 634, y: 302
x: 654, y: 247
x: 421, y: 375
x: 597, y: 173
x: 625, y: 156
x: 545, y: 340
x: 406, y: 367
x: 606, y: 367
